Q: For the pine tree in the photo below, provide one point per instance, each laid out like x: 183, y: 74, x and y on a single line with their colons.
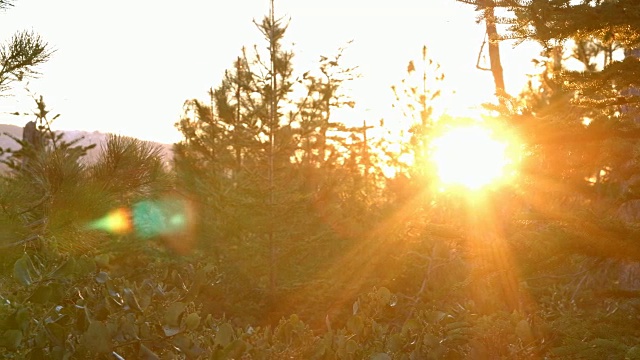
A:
x: 273, y: 169
x: 581, y: 130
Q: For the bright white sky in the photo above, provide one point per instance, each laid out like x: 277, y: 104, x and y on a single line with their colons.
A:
x: 127, y: 66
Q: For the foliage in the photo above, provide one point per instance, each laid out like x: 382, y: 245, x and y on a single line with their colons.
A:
x: 579, y: 127
x: 279, y: 178
x: 21, y: 55
x: 415, y: 97
x: 94, y: 305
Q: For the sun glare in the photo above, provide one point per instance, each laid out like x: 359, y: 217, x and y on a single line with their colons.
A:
x: 470, y: 157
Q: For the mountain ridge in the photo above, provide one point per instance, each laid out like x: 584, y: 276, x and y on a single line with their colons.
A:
x: 86, y: 138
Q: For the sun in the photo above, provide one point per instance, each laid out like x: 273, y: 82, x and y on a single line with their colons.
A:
x: 471, y: 157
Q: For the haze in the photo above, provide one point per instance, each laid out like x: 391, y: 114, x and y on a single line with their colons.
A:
x: 128, y: 66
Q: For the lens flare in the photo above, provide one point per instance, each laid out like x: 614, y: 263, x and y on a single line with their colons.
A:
x: 117, y: 221
x: 159, y: 217
x: 471, y: 157
x: 147, y: 219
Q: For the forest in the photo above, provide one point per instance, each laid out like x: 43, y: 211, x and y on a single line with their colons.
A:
x: 278, y: 231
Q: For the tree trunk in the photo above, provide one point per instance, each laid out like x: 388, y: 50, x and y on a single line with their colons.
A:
x: 272, y: 150
x: 494, y: 48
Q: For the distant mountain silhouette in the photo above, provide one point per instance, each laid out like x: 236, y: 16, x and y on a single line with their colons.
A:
x: 95, y: 137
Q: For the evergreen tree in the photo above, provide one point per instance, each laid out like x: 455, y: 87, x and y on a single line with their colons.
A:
x: 581, y: 131
x: 265, y: 165
x: 42, y: 177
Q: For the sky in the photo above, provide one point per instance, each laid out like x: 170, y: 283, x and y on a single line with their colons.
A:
x: 128, y: 66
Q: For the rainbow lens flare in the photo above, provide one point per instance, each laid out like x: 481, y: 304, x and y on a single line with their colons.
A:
x: 117, y: 221
x: 159, y: 217
x: 147, y: 219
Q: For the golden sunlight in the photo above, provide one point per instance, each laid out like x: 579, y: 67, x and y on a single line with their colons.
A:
x: 470, y: 156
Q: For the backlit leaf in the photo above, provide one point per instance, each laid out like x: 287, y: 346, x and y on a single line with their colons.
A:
x: 224, y: 335
x: 384, y: 295
x: 56, y: 333
x: 395, y: 343
x: 145, y: 354
x: 11, y: 339
x: 192, y: 321
x: 172, y: 316
x: 102, y: 260
x: 85, y: 265
x: 355, y: 324
x: 351, y: 346
x: 41, y: 295
x: 436, y: 316
x: 523, y: 331
x: 430, y: 340
x: 236, y: 349
x: 410, y: 326
x: 380, y: 356
x: 57, y: 292
x: 102, y: 277
x: 96, y: 338
x: 22, y: 319
x: 182, y: 342
x: 21, y: 271
x: 170, y: 330
x: 67, y: 269
x: 131, y: 300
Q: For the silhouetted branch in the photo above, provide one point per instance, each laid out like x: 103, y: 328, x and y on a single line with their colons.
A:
x: 618, y: 101
x: 575, y: 136
x: 21, y: 242
x: 5, y: 4
x: 20, y: 55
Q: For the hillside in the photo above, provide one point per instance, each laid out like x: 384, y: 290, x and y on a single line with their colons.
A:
x: 87, y: 138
